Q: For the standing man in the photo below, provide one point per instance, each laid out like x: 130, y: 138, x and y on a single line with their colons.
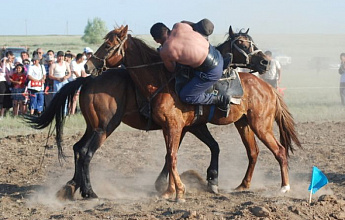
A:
x: 59, y: 71
x: 188, y: 47
x: 273, y: 75
x: 36, y: 76
x: 342, y: 78
x: 77, y: 70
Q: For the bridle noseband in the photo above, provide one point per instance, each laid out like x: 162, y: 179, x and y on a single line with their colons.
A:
x: 120, y: 50
x: 246, y: 54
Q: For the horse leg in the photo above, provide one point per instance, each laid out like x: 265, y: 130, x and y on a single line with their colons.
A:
x: 68, y: 191
x: 248, y: 139
x: 172, y: 138
x: 264, y: 131
x: 161, y: 183
x: 97, y: 138
x: 203, y: 134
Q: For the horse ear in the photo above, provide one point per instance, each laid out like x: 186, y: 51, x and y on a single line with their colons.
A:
x: 247, y: 31
x: 231, y: 32
x: 125, y: 29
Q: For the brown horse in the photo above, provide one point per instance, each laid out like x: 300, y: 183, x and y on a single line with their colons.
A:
x: 259, y: 108
x: 111, y: 88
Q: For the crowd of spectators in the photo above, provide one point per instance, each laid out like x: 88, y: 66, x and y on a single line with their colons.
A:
x: 27, y: 85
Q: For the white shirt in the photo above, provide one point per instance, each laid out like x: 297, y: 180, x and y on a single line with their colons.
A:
x: 36, y: 72
x: 76, y: 67
x: 60, y: 70
x: 272, y: 72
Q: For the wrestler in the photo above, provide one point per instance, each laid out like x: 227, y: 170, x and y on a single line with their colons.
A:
x: 187, y: 47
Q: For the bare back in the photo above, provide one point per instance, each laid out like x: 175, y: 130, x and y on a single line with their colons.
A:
x: 184, y: 46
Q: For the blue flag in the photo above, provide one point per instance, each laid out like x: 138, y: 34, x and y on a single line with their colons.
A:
x: 318, y: 180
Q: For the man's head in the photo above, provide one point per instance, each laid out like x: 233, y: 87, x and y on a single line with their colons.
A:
x: 79, y: 58
x: 40, y: 53
x: 342, y: 57
x: 159, y: 32
x: 10, y: 56
x: 24, y: 55
x: 268, y: 54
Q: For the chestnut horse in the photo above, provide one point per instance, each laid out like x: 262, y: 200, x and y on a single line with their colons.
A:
x: 98, y: 116
x: 260, y: 106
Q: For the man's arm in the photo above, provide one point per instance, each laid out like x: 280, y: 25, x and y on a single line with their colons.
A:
x: 279, y: 71
x: 169, y: 63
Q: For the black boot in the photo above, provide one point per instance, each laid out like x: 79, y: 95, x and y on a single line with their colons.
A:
x: 223, y: 103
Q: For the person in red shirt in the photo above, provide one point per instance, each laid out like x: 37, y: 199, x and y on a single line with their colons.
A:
x: 18, y: 80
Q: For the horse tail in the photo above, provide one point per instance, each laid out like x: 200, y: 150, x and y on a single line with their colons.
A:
x: 286, y: 125
x: 57, y: 110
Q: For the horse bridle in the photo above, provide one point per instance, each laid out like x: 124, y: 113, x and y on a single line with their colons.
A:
x: 120, y: 50
x: 247, y: 55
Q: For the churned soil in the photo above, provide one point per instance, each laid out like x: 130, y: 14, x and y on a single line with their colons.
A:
x: 124, y: 169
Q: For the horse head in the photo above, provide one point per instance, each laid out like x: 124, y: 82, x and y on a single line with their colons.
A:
x: 245, y: 52
x: 110, y: 53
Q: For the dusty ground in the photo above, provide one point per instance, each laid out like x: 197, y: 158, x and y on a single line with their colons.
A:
x: 124, y: 170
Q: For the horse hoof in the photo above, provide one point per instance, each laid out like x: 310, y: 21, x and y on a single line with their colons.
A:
x: 212, y: 188
x: 285, y: 189
x: 90, y: 195
x: 241, y: 188
x: 166, y: 196
x: 66, y: 193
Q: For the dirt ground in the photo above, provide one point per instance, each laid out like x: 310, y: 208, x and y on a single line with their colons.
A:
x: 124, y: 169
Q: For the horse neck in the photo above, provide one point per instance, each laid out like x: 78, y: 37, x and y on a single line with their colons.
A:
x: 147, y: 78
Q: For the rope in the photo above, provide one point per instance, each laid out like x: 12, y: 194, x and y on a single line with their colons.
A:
x: 144, y: 65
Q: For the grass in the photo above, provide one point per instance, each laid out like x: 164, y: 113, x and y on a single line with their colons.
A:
x: 311, y: 94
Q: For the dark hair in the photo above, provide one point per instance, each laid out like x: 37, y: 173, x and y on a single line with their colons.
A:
x: 158, y: 29
x: 342, y: 55
x: 79, y: 55
x: 50, y: 51
x: 26, y: 61
x: 21, y: 65
x: 9, y: 53
x: 34, y: 53
x: 68, y: 55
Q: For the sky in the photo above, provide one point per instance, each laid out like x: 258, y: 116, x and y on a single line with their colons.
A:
x: 62, y: 17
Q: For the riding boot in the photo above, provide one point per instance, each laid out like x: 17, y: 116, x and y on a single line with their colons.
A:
x: 223, y: 103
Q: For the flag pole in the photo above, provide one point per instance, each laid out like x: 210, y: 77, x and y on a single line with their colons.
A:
x: 312, y: 183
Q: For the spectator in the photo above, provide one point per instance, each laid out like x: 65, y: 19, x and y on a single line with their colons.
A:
x: 50, y: 53
x: 59, y: 71
x: 77, y: 70
x: 25, y: 56
x: 49, y: 83
x: 36, y: 76
x: 40, y: 53
x: 5, y: 99
x: 342, y: 78
x: 68, y: 58
x: 273, y: 75
x: 7, y: 70
x: 18, y: 80
x: 87, y: 53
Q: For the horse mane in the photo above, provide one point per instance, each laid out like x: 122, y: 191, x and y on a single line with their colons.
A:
x: 147, y: 53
